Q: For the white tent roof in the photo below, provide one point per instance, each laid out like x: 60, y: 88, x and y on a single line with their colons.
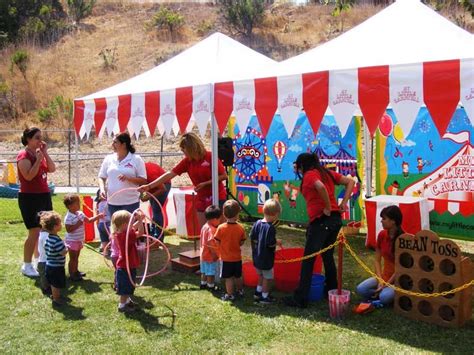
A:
x: 405, y: 32
x: 217, y: 58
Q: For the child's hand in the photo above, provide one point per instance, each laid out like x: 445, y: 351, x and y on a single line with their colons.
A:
x: 279, y: 243
x: 101, y: 215
x: 122, y: 177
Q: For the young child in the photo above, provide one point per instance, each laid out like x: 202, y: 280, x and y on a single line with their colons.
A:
x: 263, y: 241
x: 230, y: 236
x: 55, y: 255
x: 208, y: 248
x: 44, y: 284
x: 104, y: 223
x: 124, y: 287
x: 74, y: 239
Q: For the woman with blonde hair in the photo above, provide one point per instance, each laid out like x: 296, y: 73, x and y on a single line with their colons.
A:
x: 197, y: 163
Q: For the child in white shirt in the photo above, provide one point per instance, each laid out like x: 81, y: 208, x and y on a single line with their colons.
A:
x: 74, y: 239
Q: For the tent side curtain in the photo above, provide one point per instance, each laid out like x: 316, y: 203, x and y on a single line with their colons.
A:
x: 441, y: 86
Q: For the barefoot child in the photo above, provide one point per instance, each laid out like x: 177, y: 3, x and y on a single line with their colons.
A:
x: 263, y: 240
x: 74, y: 239
x: 55, y: 255
x: 208, y: 248
x: 124, y: 286
x: 230, y: 236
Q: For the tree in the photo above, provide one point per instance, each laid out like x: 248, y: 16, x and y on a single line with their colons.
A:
x: 243, y: 15
x: 80, y: 9
x: 340, y: 6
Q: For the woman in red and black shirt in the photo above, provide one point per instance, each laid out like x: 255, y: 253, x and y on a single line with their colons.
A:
x: 197, y: 163
x: 317, y: 188
x: 34, y: 164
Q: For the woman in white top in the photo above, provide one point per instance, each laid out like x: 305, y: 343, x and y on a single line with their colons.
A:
x: 120, y: 170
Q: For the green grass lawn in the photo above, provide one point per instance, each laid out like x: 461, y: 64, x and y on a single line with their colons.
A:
x: 91, y: 323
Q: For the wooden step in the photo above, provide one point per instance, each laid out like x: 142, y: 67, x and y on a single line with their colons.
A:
x: 179, y: 265
x: 190, y: 256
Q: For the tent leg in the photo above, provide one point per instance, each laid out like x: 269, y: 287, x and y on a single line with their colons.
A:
x: 215, y: 157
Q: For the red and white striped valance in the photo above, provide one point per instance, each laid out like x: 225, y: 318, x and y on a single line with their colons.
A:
x: 441, y: 86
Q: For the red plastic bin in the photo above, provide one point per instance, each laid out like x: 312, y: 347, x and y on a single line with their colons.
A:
x: 286, y: 275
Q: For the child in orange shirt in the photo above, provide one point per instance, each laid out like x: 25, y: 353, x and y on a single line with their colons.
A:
x: 208, y: 248
x: 230, y: 236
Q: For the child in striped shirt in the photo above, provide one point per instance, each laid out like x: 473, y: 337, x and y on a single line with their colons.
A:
x: 55, y: 255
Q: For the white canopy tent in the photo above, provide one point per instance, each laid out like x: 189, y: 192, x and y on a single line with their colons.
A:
x: 407, y: 55
x: 172, y: 92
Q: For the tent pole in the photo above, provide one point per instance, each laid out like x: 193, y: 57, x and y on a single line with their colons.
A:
x: 215, y: 157
x: 76, y: 148
x: 368, y: 143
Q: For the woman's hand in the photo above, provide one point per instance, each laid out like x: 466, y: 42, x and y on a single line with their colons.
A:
x: 342, y: 207
x: 44, y: 147
x: 327, y: 212
x: 39, y: 155
x: 103, y: 195
x: 143, y: 188
x: 200, y: 186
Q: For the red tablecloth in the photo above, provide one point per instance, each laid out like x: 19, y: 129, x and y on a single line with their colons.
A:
x: 186, y: 217
x: 415, y: 212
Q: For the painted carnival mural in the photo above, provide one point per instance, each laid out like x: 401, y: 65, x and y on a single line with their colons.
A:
x: 425, y: 164
x: 263, y: 166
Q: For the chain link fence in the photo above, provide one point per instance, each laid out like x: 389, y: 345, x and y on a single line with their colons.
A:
x: 78, y: 162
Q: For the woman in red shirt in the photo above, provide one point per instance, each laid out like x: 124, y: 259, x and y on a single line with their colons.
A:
x: 197, y: 163
x: 33, y: 164
x: 317, y: 188
x: 392, y: 229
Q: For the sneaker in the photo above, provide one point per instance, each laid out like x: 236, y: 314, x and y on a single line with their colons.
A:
x: 83, y: 274
x: 125, y: 309
x: 291, y: 302
x: 227, y: 298
x: 240, y: 293
x: 46, y: 291
x: 29, y: 270
x: 76, y: 277
x: 257, y: 295
x: 203, y: 286
x: 58, y: 303
x: 267, y: 300
x: 214, y: 288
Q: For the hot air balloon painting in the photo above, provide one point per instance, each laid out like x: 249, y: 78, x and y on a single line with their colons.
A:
x: 279, y: 149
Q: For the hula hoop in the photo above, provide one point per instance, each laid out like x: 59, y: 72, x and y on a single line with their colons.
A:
x: 147, y: 235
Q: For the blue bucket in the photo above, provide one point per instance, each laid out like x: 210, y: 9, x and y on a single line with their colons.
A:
x: 317, y: 288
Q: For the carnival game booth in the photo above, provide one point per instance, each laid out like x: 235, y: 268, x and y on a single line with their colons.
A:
x: 410, y: 73
x: 427, y: 61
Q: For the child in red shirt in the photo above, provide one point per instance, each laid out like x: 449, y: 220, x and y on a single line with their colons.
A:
x: 208, y: 248
x: 230, y: 236
x: 125, y: 281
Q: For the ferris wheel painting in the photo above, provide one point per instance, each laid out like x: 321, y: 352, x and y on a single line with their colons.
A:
x: 250, y: 155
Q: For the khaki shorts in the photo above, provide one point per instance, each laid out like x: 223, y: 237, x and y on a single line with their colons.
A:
x: 266, y: 274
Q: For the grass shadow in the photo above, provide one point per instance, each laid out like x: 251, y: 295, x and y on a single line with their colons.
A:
x: 87, y: 285
x: 149, y: 322
x: 70, y: 312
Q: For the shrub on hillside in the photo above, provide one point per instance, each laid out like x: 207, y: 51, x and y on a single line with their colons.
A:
x: 59, y: 110
x: 20, y: 60
x: 109, y: 58
x: 80, y: 9
x: 168, y: 20
x: 242, y: 16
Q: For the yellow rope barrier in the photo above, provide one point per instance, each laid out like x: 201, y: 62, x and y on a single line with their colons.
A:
x: 341, y: 239
x: 401, y: 290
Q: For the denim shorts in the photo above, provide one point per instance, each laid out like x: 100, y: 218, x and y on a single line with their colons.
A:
x: 209, y: 268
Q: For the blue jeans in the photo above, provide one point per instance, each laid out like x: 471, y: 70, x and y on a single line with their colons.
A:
x: 366, y: 289
x: 320, y: 233
x: 112, y: 209
x: 157, y: 213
